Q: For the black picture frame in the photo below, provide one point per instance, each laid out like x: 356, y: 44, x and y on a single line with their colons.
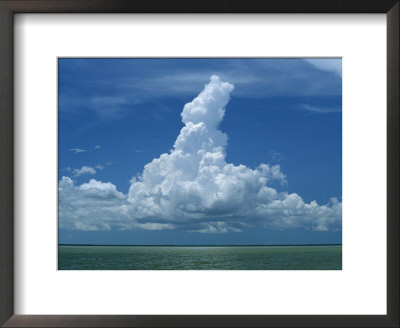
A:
x: 10, y: 7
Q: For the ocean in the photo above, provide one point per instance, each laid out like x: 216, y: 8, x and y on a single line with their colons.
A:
x: 310, y: 257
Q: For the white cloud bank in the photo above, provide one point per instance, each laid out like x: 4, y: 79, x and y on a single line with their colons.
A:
x: 193, y: 187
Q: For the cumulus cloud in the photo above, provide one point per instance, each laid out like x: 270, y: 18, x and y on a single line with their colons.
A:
x: 91, y: 206
x: 84, y: 170
x: 193, y: 187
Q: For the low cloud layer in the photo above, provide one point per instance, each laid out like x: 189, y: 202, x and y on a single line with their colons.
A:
x: 193, y: 187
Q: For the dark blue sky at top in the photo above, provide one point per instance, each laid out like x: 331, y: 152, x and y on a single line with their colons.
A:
x: 282, y: 111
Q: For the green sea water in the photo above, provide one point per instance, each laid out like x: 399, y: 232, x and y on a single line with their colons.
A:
x: 327, y: 257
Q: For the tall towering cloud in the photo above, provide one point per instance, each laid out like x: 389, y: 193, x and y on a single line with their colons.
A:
x: 193, y: 187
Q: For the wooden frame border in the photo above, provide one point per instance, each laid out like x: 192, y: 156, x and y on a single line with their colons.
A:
x: 7, y: 10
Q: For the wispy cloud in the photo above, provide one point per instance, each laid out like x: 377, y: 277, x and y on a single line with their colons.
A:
x: 184, y: 82
x: 108, y: 107
x: 84, y: 170
x: 140, y: 81
x: 276, y: 156
x: 104, y: 107
x: 78, y: 150
x: 97, y: 147
x: 320, y: 110
x: 255, y: 79
x: 333, y: 65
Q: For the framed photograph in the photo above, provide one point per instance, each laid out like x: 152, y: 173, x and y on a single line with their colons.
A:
x: 199, y: 164
x: 191, y: 208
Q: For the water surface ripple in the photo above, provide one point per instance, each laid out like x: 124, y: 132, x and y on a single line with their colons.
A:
x: 327, y: 257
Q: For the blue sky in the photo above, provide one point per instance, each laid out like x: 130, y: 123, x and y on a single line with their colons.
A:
x: 117, y: 115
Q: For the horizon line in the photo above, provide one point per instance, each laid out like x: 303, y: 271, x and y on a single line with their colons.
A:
x: 206, y: 245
